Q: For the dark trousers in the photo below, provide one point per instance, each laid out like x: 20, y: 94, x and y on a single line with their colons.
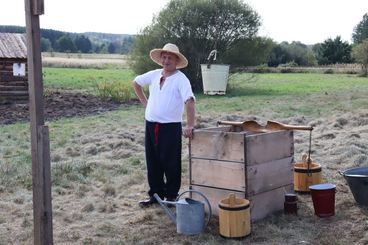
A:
x: 163, y: 158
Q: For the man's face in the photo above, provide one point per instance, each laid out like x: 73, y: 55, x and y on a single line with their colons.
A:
x: 169, y: 61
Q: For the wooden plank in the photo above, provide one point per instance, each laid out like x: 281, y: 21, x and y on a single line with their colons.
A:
x: 12, y: 88
x: 9, y: 77
x: 13, y: 93
x: 270, y: 175
x: 42, y: 211
x: 227, y: 175
x: 261, y: 205
x: 14, y: 83
x: 44, y: 170
x: 266, y: 203
x: 214, y: 196
x: 38, y: 7
x: 266, y: 147
x: 218, y: 145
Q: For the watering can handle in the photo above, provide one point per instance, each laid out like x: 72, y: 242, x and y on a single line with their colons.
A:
x: 205, y: 198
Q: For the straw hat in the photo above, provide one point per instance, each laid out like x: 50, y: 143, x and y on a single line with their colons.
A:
x: 155, y: 55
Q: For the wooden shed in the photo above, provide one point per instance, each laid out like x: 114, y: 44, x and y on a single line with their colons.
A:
x: 13, y: 68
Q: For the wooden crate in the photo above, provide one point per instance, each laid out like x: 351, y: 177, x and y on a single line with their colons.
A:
x: 256, y: 166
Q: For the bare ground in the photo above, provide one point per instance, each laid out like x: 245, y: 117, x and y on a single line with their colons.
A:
x: 59, y: 104
x: 106, y: 212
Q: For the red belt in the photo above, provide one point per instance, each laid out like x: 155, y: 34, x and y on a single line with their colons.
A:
x: 156, y: 130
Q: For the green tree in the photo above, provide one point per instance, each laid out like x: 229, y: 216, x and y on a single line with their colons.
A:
x: 65, y: 44
x: 249, y: 52
x: 45, y: 44
x: 127, y: 44
x: 197, y: 27
x: 112, y: 48
x: 333, y: 51
x: 296, y: 52
x: 361, y: 30
x: 83, y: 44
x: 279, y: 55
x: 360, y: 54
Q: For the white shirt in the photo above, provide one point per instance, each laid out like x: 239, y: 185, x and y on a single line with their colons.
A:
x: 166, y: 104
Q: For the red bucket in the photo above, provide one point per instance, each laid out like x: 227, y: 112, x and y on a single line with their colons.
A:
x: 323, y: 196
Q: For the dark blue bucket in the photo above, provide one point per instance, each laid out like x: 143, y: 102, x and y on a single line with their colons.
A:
x: 357, y: 179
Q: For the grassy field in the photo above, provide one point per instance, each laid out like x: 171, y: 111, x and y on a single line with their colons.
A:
x: 98, y: 168
x: 85, y: 61
x: 85, y: 80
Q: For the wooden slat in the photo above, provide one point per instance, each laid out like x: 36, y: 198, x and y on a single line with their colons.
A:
x: 266, y: 203
x: 9, y: 77
x: 14, y: 83
x: 7, y: 68
x: 266, y: 147
x: 227, y: 175
x: 218, y: 145
x: 261, y: 205
x: 270, y: 175
x: 14, y: 98
x: 214, y: 196
x: 12, y: 88
x: 231, y: 175
x: 13, y: 93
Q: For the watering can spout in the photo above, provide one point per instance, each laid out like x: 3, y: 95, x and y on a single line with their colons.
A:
x: 171, y: 215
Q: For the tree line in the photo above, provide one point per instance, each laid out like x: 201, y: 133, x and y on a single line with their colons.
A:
x: 199, y: 26
x: 66, y: 42
x: 230, y: 27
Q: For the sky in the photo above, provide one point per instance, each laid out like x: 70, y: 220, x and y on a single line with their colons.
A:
x: 307, y: 21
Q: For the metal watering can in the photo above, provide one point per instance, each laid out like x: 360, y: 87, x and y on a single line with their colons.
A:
x: 189, y: 218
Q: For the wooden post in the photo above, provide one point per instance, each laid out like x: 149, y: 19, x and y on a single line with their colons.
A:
x: 40, y: 143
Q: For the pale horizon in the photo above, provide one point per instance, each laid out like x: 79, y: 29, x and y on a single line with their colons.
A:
x: 308, y: 22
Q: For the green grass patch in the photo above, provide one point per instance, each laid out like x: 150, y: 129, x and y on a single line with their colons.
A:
x: 288, y: 94
x: 85, y: 80
x: 120, y: 91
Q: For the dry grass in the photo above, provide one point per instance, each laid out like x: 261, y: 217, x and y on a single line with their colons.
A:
x: 95, y: 192
x: 325, y: 69
x: 97, y: 61
x: 99, y: 174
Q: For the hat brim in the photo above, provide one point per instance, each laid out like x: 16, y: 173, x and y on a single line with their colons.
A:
x: 155, y: 55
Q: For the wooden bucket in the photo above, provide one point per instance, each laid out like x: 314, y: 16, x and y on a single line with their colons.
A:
x: 234, y: 217
x: 304, y: 176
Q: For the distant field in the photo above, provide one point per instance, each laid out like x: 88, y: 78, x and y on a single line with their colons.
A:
x: 83, y: 79
x: 73, y: 60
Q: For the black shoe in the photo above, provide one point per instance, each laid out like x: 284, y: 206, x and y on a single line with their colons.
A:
x: 148, y: 202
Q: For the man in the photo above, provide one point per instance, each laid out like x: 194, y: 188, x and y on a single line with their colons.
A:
x: 169, y: 93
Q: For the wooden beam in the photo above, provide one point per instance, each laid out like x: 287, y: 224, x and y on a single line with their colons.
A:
x: 38, y: 7
x: 40, y: 143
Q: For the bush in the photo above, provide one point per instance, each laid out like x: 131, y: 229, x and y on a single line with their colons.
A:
x: 119, y: 91
x: 289, y: 64
x: 263, y: 68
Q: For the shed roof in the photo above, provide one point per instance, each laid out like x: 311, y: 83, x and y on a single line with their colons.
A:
x: 13, y: 45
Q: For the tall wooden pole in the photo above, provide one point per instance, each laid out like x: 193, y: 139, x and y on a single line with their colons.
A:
x: 40, y: 143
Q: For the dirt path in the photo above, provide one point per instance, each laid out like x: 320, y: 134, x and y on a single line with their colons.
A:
x: 59, y: 104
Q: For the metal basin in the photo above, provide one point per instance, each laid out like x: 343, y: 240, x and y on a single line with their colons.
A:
x: 357, y: 179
